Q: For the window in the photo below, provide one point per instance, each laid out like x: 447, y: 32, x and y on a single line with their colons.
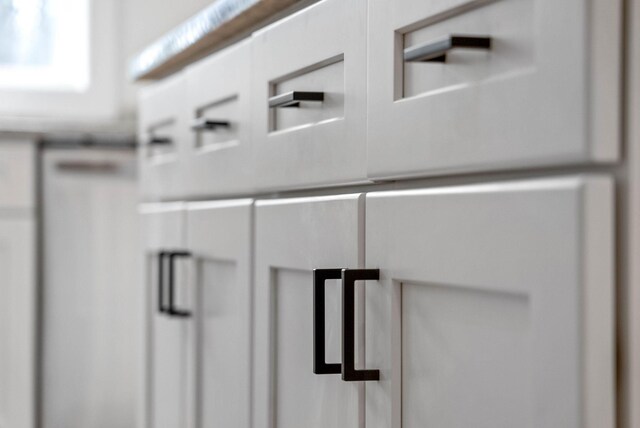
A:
x: 44, y: 45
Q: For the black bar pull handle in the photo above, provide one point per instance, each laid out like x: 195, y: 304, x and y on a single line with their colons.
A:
x: 161, y: 307
x: 320, y: 366
x: 159, y: 141
x: 436, y: 50
x: 293, y: 99
x: 349, y: 277
x: 172, y: 310
x: 204, y: 124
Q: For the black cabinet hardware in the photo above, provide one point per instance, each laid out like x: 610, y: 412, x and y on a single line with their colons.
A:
x: 161, y: 307
x: 320, y: 366
x: 349, y: 277
x: 159, y: 141
x: 204, y: 124
x: 436, y: 51
x: 169, y: 309
x: 293, y: 98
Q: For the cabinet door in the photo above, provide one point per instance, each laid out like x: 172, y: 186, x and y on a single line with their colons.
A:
x: 17, y: 322
x: 218, y: 153
x: 162, y: 134
x: 293, y: 237
x: 219, y: 237
x: 494, y: 307
x: 171, y: 336
x: 544, y: 90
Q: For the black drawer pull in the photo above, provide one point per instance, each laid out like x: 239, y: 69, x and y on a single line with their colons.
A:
x: 320, y: 366
x: 436, y: 51
x: 204, y: 124
x: 172, y: 310
x: 159, y: 141
x: 293, y: 99
x: 349, y: 277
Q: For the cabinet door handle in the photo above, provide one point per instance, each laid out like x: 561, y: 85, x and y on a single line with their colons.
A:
x: 204, y: 124
x: 159, y: 141
x: 172, y: 310
x: 293, y: 98
x: 349, y: 277
x: 320, y: 366
x: 161, y: 308
x: 436, y: 50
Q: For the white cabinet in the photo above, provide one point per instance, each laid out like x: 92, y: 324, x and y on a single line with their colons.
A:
x: 546, y: 91
x: 17, y: 322
x: 198, y: 279
x: 494, y: 307
x: 18, y: 292
x: 162, y: 134
x: 170, y: 324
x: 294, y: 237
x: 218, y: 156
x: 309, y: 97
x: 219, y: 236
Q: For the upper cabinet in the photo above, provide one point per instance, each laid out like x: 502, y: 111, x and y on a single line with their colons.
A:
x: 162, y: 138
x: 309, y: 97
x: 461, y: 86
x: 218, y: 145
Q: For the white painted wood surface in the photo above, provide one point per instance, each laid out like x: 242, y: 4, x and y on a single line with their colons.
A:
x: 219, y: 236
x: 547, y: 93
x: 495, y: 305
x: 322, y: 149
x: 293, y: 237
x: 91, y: 299
x: 170, y: 341
x: 17, y: 322
x: 163, y: 114
x: 219, y: 161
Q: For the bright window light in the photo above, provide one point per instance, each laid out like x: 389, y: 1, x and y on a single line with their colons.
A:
x: 44, y: 45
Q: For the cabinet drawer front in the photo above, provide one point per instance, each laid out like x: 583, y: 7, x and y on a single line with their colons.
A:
x: 459, y: 86
x: 309, y: 91
x: 218, y: 156
x: 495, y: 303
x: 293, y: 237
x: 161, y: 136
x: 17, y: 173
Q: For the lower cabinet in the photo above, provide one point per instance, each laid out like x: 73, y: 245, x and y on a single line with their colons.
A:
x: 199, y: 314
x: 17, y: 321
x: 485, y: 306
x: 294, y: 237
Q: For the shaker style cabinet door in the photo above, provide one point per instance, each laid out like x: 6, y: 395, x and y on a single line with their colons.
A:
x: 494, y: 307
x: 219, y: 236
x: 462, y: 86
x: 218, y: 152
x: 162, y: 134
x: 293, y: 237
x: 170, y: 322
x: 309, y: 97
x: 17, y: 322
